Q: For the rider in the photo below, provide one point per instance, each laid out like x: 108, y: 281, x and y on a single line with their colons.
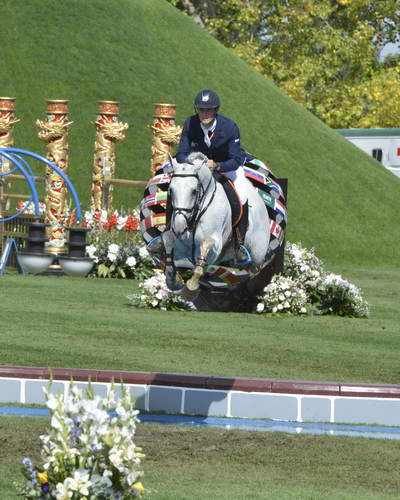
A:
x: 218, y: 137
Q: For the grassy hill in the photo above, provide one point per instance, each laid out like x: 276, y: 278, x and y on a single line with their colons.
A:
x: 141, y: 52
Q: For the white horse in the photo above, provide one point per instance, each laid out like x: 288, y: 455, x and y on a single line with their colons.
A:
x: 201, y: 224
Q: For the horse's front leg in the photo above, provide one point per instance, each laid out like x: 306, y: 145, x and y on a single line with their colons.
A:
x: 191, y: 289
x: 171, y: 280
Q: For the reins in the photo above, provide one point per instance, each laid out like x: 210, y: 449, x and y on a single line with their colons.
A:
x: 195, y: 214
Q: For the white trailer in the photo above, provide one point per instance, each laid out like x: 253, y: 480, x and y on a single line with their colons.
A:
x: 383, y: 144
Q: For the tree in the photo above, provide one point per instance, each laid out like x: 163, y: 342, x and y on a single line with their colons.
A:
x: 322, y: 53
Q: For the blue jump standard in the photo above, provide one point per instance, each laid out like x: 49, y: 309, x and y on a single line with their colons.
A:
x: 368, y: 431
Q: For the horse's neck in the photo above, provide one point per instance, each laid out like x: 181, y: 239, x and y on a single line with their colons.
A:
x: 207, y: 181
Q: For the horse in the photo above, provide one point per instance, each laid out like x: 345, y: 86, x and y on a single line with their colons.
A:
x: 200, y: 226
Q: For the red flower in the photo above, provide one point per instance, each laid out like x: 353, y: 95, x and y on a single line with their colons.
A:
x: 72, y: 218
x: 131, y: 224
x: 112, y: 221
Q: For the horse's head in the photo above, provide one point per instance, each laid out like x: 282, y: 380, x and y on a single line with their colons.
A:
x: 186, y: 190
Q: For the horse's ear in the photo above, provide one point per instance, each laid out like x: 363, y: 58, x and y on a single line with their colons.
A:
x: 170, y: 167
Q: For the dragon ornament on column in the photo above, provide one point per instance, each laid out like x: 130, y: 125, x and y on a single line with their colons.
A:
x: 54, y: 132
x: 7, y: 122
x: 109, y: 131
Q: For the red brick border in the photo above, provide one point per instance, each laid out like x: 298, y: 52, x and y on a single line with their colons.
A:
x: 206, y: 382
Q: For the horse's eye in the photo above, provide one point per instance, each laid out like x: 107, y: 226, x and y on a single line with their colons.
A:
x: 193, y: 193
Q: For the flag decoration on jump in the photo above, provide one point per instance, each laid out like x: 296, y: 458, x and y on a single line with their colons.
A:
x: 159, y: 197
x: 280, y: 208
x: 254, y: 175
x: 272, y: 194
x: 224, y: 274
x: 260, y: 175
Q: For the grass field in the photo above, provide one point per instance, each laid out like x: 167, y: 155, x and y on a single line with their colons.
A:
x: 195, y: 464
x: 142, y: 52
x: 340, y: 201
x: 88, y: 323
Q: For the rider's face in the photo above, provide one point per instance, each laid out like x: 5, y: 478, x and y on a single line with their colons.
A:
x: 207, y: 116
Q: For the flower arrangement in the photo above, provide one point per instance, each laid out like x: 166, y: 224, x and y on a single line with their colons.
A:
x: 283, y: 295
x: 154, y: 294
x: 338, y: 296
x: 89, y: 452
x: 304, y: 287
x: 116, y: 245
x: 30, y: 207
x: 113, y: 220
x: 303, y: 266
x: 113, y: 260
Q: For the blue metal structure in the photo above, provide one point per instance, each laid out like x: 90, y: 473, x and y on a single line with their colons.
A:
x: 14, y: 156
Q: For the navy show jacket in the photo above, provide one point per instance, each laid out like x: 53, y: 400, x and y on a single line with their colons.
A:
x: 225, y: 143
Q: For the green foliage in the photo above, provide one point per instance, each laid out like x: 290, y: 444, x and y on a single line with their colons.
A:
x: 80, y: 322
x: 323, y: 53
x: 139, y: 53
x: 226, y: 465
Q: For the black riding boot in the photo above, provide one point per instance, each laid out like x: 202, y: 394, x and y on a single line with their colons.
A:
x: 242, y: 254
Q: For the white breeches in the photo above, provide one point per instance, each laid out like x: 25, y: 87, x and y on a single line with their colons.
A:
x: 239, y: 181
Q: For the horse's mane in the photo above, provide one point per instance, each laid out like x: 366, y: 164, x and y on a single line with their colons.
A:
x: 196, y: 158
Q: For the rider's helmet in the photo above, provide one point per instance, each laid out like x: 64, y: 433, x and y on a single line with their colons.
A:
x: 207, y: 98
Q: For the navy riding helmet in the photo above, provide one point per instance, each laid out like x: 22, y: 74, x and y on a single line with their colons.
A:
x: 206, y: 98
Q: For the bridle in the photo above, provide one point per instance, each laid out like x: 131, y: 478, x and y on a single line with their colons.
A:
x: 193, y: 215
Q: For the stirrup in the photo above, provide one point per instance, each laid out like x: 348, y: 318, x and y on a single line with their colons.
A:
x: 155, y: 245
x: 243, y: 256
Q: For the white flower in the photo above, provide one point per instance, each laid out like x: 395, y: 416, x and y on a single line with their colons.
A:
x: 63, y: 490
x: 113, y: 248
x: 112, y: 257
x: 143, y: 253
x: 131, y: 262
x: 91, y: 251
x: 104, y: 216
x: 89, y: 218
x: 260, y: 307
x: 80, y: 482
x: 121, y: 221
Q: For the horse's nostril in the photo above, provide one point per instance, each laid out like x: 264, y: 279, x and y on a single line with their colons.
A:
x: 180, y: 223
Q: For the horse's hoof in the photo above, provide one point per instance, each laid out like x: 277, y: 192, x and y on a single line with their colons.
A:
x: 189, y: 295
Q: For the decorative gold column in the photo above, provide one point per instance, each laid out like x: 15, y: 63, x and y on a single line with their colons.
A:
x: 7, y: 122
x: 54, y: 132
x: 109, y: 131
x: 165, y: 134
